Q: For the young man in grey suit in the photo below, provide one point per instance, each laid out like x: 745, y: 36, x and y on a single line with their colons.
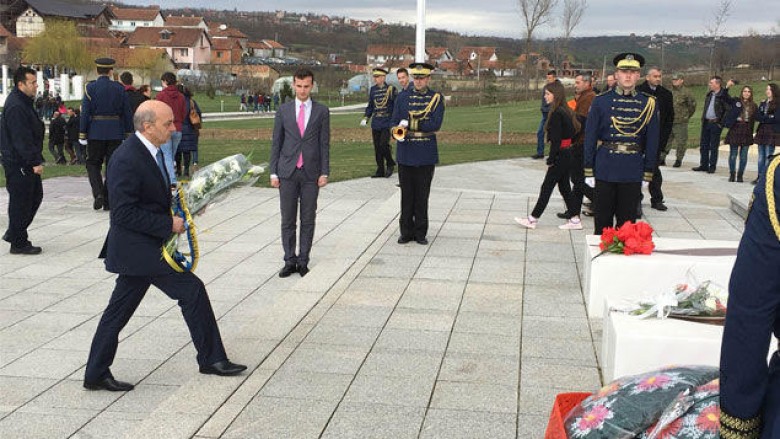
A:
x: 300, y: 163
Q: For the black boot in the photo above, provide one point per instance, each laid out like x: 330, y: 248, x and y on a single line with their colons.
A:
x: 739, y: 178
x: 731, y: 177
x: 379, y: 173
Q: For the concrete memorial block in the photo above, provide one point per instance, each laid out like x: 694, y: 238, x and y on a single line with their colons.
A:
x: 618, y: 278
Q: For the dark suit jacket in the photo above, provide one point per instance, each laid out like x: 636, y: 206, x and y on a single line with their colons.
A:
x: 287, y: 142
x: 141, y: 218
x: 665, y: 105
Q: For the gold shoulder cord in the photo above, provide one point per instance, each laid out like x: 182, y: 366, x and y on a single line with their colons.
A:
x: 646, y: 114
x: 383, y: 102
x: 770, y: 195
x: 419, y: 114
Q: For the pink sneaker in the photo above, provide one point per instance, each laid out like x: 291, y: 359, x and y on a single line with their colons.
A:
x: 571, y: 225
x: 526, y: 222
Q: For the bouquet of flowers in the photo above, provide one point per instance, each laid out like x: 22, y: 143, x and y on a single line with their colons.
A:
x: 629, y: 239
x: 206, y: 184
x: 686, y: 301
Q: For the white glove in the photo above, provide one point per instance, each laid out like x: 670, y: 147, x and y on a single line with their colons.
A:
x: 83, y: 142
x: 403, y: 123
x: 363, y: 122
x: 590, y: 181
x: 645, y: 184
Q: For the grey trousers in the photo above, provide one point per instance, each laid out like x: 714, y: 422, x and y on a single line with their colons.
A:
x: 294, y: 192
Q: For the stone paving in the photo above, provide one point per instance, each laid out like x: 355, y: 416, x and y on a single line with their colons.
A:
x: 470, y: 336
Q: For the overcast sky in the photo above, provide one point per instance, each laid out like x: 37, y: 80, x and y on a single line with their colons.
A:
x: 502, y: 17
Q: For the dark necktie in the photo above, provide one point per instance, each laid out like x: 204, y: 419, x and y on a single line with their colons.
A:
x: 161, y: 164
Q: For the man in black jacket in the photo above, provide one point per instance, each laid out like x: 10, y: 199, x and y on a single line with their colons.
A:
x: 21, y: 147
x: 72, y: 131
x: 716, y: 106
x: 665, y: 104
x: 135, y: 97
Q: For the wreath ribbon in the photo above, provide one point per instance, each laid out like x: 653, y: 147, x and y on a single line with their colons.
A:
x: 183, y: 262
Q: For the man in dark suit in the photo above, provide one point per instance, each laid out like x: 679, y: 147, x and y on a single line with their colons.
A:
x: 300, y: 163
x: 141, y: 221
x: 665, y: 104
x: 105, y: 121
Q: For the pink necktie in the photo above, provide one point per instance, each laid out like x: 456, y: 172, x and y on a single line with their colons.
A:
x: 302, y: 128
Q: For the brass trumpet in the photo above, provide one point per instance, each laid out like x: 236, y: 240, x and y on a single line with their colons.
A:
x: 399, y: 133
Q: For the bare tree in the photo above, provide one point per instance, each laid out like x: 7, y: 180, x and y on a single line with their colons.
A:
x: 714, y: 26
x: 573, y: 11
x: 534, y: 13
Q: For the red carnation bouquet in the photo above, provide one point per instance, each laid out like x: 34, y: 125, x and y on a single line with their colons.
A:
x: 630, y: 238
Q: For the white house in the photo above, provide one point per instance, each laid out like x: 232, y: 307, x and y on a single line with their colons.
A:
x: 127, y: 19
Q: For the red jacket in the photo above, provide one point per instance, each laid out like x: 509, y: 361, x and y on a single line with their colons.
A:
x: 171, y: 96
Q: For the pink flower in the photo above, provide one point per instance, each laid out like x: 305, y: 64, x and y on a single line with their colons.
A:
x: 709, y: 419
x: 652, y: 383
x: 594, y: 418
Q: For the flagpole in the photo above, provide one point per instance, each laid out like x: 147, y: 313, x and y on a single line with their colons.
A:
x: 419, y: 52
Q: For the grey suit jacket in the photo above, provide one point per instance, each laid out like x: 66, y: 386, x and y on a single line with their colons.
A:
x: 287, y: 142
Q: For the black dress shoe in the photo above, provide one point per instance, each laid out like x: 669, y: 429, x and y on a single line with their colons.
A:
x: 389, y: 172
x: 677, y: 164
x: 98, y: 203
x: 422, y: 241
x: 711, y: 171
x: 109, y: 384
x: 223, y: 368
x: 699, y: 169
x: 378, y: 174
x: 29, y: 250
x: 562, y: 215
x: 404, y: 240
x: 6, y: 238
x: 537, y: 156
x: 287, y: 270
x: 303, y: 270
x: 659, y: 206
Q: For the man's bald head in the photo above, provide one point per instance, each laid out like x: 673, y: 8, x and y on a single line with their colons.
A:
x: 154, y: 119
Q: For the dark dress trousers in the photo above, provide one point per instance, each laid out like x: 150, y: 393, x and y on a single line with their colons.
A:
x: 298, y: 186
x: 140, y: 223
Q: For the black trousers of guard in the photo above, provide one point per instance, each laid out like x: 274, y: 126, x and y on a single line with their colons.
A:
x: 382, y: 152
x: 98, y: 152
x: 186, y: 288
x: 579, y: 188
x: 615, y: 204
x: 25, y: 193
x: 415, y: 184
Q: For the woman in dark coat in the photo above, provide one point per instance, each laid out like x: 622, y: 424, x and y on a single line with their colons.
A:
x: 768, y: 133
x: 188, y: 147
x: 561, y: 126
x: 740, y: 136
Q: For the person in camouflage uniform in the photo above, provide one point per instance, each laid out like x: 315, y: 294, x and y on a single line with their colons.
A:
x: 684, y: 107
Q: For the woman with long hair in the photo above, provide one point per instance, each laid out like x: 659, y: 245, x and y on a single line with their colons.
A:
x: 768, y: 133
x: 562, y: 125
x: 740, y: 135
x: 187, y: 152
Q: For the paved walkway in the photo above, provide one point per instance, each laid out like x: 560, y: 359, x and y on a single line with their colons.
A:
x: 470, y: 336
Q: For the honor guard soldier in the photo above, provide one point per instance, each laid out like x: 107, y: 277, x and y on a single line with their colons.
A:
x: 381, y: 100
x: 749, y: 390
x: 621, y: 145
x: 106, y: 119
x: 417, y: 117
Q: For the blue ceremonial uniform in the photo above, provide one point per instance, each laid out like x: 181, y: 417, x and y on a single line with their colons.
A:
x: 620, y: 151
x: 106, y: 120
x: 616, y: 166
x: 749, y: 390
x: 417, y: 156
x: 105, y: 111
x: 381, y: 102
x: 419, y: 146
